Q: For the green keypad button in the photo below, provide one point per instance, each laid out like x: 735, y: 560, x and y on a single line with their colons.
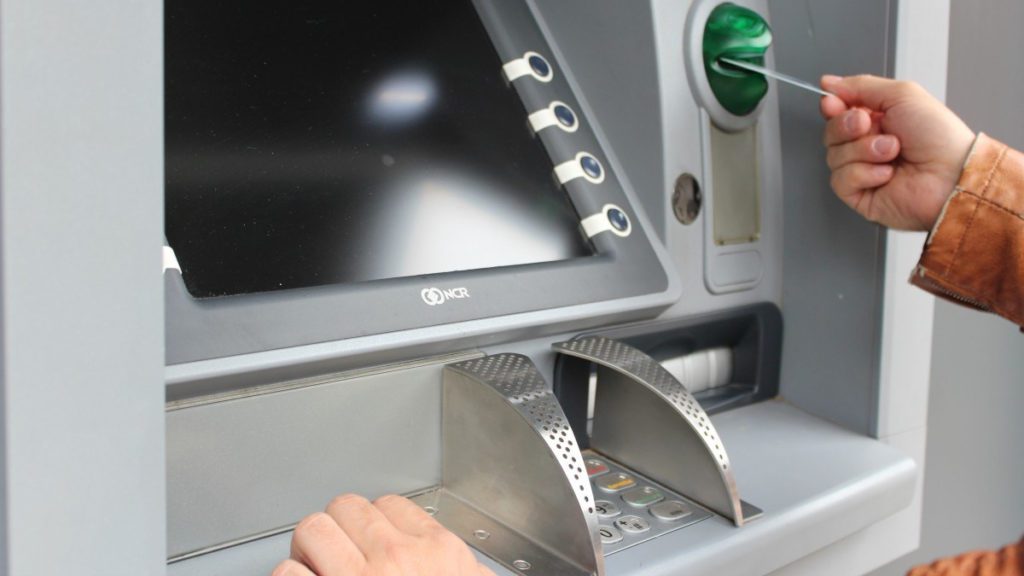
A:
x: 643, y: 496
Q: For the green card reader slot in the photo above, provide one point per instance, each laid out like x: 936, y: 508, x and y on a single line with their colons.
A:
x: 740, y: 33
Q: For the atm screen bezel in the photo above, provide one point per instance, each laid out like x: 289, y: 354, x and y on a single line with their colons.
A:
x: 628, y: 269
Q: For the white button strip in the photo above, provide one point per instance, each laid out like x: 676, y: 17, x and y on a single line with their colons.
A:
x: 573, y: 169
x: 515, y: 69
x: 598, y: 223
x: 546, y: 118
x: 170, y: 260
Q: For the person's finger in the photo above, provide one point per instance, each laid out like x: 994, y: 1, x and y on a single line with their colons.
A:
x: 873, y: 92
x: 364, y: 524
x: 292, y: 568
x: 485, y: 571
x: 831, y: 106
x: 853, y: 181
x: 873, y: 149
x: 847, y: 127
x: 319, y: 542
x: 406, y: 516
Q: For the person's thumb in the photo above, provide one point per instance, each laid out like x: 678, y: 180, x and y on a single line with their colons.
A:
x: 865, y: 90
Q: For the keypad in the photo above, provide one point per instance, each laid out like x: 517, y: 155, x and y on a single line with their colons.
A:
x: 632, y: 509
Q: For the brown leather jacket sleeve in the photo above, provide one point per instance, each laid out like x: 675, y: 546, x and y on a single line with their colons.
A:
x: 1006, y: 562
x: 975, y: 253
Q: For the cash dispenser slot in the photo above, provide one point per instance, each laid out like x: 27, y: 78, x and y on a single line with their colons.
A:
x: 514, y: 482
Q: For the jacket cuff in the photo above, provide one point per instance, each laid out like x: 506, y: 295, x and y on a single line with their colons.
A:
x: 974, y: 255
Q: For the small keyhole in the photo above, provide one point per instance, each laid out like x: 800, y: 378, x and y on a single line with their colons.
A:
x: 686, y: 199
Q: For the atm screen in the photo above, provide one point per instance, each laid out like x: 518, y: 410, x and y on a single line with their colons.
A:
x: 324, y: 142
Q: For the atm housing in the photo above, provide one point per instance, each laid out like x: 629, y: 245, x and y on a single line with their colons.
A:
x: 279, y: 399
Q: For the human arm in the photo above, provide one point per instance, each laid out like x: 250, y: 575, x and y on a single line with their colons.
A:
x: 899, y: 157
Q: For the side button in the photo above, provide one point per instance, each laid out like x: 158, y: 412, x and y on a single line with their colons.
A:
x: 556, y: 114
x: 531, y: 64
x: 611, y: 218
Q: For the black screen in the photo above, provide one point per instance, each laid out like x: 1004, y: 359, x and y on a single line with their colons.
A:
x: 313, y: 142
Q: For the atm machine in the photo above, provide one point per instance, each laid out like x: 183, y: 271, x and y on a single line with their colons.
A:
x: 550, y: 269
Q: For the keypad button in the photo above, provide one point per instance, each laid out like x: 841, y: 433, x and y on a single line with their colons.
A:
x: 671, y: 511
x: 606, y: 509
x: 595, y: 467
x: 643, y: 496
x: 616, y: 482
x: 632, y: 524
x: 609, y: 535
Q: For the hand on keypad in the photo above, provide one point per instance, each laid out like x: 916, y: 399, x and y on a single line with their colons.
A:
x: 390, y: 537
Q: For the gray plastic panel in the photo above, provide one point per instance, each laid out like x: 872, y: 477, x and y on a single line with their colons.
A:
x: 834, y: 259
x: 81, y: 344
x: 248, y: 465
x: 816, y: 482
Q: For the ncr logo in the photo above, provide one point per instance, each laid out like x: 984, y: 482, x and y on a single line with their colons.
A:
x: 435, y: 296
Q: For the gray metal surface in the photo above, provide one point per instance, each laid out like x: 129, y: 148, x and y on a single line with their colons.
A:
x: 81, y: 214
x: 833, y: 258
x: 507, y: 547
x: 649, y: 421
x: 239, y: 466
x: 816, y: 481
x: 509, y: 453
